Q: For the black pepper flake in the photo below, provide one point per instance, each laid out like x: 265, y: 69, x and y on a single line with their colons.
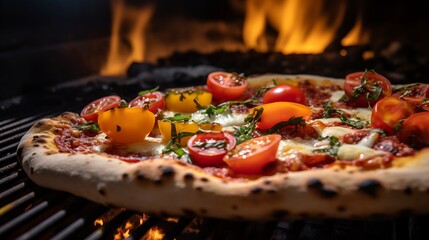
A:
x: 370, y: 187
x: 314, y: 183
x: 188, y: 177
x: 204, y: 179
x: 408, y: 191
x: 118, y: 128
x: 327, y: 192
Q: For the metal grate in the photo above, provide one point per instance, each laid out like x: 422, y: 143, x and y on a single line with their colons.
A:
x: 28, y: 211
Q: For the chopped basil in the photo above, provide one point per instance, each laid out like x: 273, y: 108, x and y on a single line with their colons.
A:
x: 260, y: 91
x: 211, y: 110
x: 174, y: 144
x: 329, y: 110
x: 372, y: 92
x: 334, y: 145
x: 179, y: 117
x: 122, y: 104
x: 245, y: 132
x: 219, y: 144
x: 89, y: 126
x: 293, y: 121
x: 141, y: 93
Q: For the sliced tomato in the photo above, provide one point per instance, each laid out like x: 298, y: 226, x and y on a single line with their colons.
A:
x: 252, y: 156
x: 415, y: 130
x: 184, y: 101
x: 388, y: 112
x: 126, y: 125
x: 226, y: 86
x: 373, y: 80
x: 284, y: 93
x: 208, y: 149
x: 90, y: 111
x: 277, y: 112
x: 152, y: 101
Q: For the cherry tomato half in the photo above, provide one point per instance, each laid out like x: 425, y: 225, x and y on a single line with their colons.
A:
x: 90, y: 111
x: 126, y: 125
x: 279, y: 112
x: 208, y: 149
x: 388, y: 112
x: 152, y: 101
x: 284, y: 93
x: 183, y: 102
x: 226, y: 86
x: 354, y: 80
x: 415, y: 130
x: 253, y: 155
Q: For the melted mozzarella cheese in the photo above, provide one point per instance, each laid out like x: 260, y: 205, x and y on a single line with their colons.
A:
x: 349, y: 152
x: 337, y: 132
x: 226, y: 119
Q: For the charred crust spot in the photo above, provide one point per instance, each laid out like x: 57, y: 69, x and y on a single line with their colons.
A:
x: 38, y: 139
x: 140, y: 176
x: 203, y: 211
x: 34, y: 154
x: 158, y: 182
x: 267, y: 182
x: 271, y: 191
x: 327, y: 192
x: 31, y: 170
x: 341, y: 209
x: 39, y: 124
x: 279, y: 214
x: 36, y: 145
x: 204, y: 179
x: 314, y: 183
x: 188, y: 212
x: 408, y: 191
x: 370, y: 187
x: 234, y: 207
x: 167, y: 171
x: 256, y: 190
x: 200, y: 189
x: 102, y: 191
x: 125, y: 176
x: 188, y: 177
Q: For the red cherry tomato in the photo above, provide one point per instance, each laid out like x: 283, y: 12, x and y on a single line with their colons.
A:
x: 152, y: 101
x: 415, y: 130
x: 284, y: 93
x: 90, y: 111
x: 354, y: 80
x: 226, y: 86
x: 252, y: 156
x: 277, y: 112
x: 388, y: 112
x: 208, y: 149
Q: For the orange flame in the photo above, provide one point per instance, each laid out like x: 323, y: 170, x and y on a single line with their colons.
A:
x: 154, y: 234
x: 302, y: 26
x: 127, y: 42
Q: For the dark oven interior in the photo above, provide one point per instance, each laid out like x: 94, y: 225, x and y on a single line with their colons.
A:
x: 58, y: 56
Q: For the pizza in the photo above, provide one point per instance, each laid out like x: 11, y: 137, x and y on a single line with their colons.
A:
x: 265, y: 147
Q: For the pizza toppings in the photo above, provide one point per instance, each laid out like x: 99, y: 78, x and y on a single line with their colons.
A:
x: 284, y: 93
x: 153, y: 101
x: 365, y: 88
x: 277, y: 112
x: 187, y: 101
x: 252, y: 156
x: 388, y: 112
x: 208, y: 149
x: 271, y: 127
x: 90, y: 112
x: 126, y: 125
x: 226, y: 86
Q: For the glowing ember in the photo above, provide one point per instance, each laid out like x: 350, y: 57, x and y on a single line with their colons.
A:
x: 127, y: 42
x: 154, y: 234
x: 302, y: 26
x: 98, y: 222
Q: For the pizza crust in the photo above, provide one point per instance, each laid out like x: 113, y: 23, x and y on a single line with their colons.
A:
x: 170, y: 187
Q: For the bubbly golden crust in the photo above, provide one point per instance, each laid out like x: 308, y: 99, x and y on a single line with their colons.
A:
x: 171, y: 187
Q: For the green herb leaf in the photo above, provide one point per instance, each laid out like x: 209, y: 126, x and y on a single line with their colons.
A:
x: 334, y: 145
x: 179, y: 117
x: 329, y: 110
x: 89, y: 126
x: 123, y: 104
x: 245, y: 132
x: 141, y: 93
x: 293, y: 121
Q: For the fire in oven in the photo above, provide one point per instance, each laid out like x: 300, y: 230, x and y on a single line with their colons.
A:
x: 58, y: 57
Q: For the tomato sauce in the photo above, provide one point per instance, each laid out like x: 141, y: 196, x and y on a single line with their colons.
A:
x: 72, y: 141
x: 317, y: 95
